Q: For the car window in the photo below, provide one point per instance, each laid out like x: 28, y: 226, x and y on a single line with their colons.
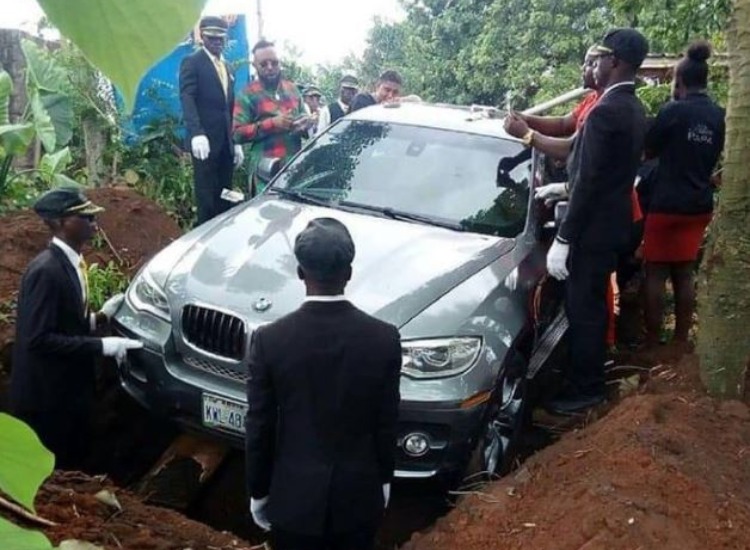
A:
x: 478, y: 182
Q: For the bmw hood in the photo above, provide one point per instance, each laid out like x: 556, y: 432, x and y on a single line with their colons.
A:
x: 244, y: 262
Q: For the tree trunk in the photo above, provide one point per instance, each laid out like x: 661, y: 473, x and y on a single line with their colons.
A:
x: 95, y: 141
x: 724, y: 283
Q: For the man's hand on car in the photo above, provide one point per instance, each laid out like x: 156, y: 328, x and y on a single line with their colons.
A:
x: 515, y: 125
x: 551, y: 193
x: 113, y: 346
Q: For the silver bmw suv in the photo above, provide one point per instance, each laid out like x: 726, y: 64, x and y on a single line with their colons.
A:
x: 450, y: 249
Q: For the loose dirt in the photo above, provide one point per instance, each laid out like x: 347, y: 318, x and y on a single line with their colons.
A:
x: 69, y: 499
x: 666, y: 468
x: 135, y: 226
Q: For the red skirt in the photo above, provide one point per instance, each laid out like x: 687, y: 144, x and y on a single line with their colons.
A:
x: 673, y: 237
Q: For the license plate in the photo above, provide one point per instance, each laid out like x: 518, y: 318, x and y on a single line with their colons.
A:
x: 219, y: 412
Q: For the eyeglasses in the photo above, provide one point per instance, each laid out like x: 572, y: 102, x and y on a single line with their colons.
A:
x: 269, y: 63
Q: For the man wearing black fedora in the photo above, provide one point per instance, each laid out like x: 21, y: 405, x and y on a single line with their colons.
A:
x: 323, y: 398
x: 207, y: 97
x: 52, y: 381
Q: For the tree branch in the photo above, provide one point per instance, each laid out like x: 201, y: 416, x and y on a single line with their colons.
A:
x: 25, y: 514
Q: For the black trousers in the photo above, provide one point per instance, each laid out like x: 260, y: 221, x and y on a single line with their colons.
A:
x: 210, y: 176
x: 586, y: 308
x: 67, y: 434
x: 361, y: 539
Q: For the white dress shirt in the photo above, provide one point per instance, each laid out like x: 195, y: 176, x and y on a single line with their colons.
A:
x: 75, y: 260
x: 324, y: 116
x: 334, y: 298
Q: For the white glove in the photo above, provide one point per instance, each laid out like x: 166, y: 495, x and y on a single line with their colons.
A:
x: 111, y: 306
x: 386, y: 494
x: 201, y: 148
x: 239, y: 155
x: 557, y: 258
x: 551, y: 193
x: 258, y: 511
x: 116, y: 347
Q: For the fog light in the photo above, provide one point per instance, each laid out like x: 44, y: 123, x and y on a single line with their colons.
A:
x: 416, y: 444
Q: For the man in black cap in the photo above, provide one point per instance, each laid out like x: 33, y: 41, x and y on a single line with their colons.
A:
x: 207, y: 97
x: 52, y: 382
x: 597, y: 225
x: 323, y: 398
x: 348, y: 88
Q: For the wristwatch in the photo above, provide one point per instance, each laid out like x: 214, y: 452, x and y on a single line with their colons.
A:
x: 528, y: 138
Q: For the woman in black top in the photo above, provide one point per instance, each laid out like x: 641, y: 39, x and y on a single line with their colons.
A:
x: 687, y: 138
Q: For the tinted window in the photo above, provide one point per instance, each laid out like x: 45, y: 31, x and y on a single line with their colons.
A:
x: 449, y: 176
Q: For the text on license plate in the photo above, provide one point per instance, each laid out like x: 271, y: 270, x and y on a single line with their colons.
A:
x: 219, y: 412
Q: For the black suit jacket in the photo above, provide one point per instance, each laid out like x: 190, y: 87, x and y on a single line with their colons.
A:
x: 53, y: 356
x: 323, y: 399
x: 602, y: 166
x: 206, y: 110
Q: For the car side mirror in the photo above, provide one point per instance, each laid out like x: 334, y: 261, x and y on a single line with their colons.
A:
x: 267, y: 169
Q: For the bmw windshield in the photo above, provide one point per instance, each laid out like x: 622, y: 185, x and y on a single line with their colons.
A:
x: 451, y: 179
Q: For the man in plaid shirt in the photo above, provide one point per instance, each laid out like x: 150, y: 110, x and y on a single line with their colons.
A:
x: 269, y: 113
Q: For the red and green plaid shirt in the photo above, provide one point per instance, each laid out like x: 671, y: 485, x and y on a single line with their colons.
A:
x: 254, y: 110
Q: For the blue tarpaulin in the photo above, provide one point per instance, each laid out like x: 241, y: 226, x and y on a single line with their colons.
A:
x: 158, y: 97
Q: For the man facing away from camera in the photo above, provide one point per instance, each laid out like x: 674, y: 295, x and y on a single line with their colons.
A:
x: 323, y: 398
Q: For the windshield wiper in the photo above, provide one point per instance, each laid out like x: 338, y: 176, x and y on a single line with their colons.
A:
x: 404, y: 216
x: 298, y: 196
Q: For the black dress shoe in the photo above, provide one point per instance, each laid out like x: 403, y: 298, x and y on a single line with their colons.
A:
x: 573, y: 403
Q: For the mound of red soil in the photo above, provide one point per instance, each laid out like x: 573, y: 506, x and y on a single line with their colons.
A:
x: 666, y: 468
x: 68, y: 499
x: 135, y: 226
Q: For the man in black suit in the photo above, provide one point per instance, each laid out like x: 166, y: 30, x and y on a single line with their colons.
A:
x: 207, y: 97
x: 52, y: 382
x: 323, y: 398
x: 597, y: 225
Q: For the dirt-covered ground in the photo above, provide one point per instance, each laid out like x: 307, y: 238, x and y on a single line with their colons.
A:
x: 665, y: 468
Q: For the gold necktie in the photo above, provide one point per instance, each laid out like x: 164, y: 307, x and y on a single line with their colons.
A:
x: 221, y: 69
x: 85, y: 272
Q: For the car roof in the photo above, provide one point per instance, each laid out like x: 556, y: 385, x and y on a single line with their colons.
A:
x: 457, y: 118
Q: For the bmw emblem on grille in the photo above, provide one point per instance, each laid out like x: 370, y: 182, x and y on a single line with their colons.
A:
x: 262, y: 304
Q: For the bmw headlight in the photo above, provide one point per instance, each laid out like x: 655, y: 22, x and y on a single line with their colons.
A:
x: 146, y: 295
x: 439, y: 357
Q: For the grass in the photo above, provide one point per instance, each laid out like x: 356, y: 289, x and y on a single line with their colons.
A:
x: 105, y: 282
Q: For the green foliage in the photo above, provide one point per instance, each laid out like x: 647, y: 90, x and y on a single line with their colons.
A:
x: 7, y: 312
x: 653, y: 97
x: 51, y: 111
x: 24, y: 465
x: 104, y: 282
x: 477, y: 51
x: 124, y: 39
x: 160, y: 171
x: 24, y: 462
x: 17, y: 538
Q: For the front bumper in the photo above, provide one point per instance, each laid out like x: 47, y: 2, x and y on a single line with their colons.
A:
x: 452, y: 430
